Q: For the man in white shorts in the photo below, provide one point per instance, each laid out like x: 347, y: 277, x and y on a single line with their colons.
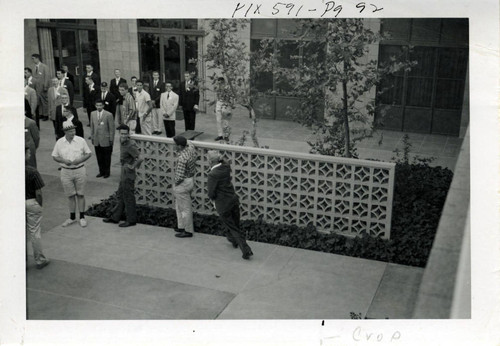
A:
x: 71, y: 152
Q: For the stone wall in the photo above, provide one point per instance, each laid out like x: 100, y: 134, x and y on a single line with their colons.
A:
x: 118, y: 47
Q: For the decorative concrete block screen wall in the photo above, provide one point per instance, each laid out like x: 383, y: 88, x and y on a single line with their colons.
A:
x: 346, y: 196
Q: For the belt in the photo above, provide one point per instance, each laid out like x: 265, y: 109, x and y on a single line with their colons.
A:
x: 72, y: 167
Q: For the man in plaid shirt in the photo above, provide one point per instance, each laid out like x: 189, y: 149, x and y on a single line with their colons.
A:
x: 184, y: 184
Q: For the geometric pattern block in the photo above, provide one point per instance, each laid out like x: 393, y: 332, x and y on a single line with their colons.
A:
x: 346, y: 196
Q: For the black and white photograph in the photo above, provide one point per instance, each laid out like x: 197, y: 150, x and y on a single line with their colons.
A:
x: 277, y: 173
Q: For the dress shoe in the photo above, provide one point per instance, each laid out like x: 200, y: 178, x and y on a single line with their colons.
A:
x: 109, y: 220
x: 126, y: 224
x: 218, y: 138
x: 42, y: 265
x: 184, y: 235
x: 106, y: 176
x: 158, y: 132
x: 45, y: 118
x: 99, y: 175
x: 247, y: 255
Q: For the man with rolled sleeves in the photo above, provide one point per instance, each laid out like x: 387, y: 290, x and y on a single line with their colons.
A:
x: 185, y: 169
x: 130, y: 159
x: 71, y: 152
x: 221, y: 193
x: 102, y: 134
x: 42, y: 77
x: 126, y: 109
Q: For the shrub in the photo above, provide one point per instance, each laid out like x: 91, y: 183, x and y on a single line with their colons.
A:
x: 419, y: 195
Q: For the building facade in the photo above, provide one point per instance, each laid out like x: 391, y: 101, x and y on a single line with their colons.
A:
x: 431, y: 98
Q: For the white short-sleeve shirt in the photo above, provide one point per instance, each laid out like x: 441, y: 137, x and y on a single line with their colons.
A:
x: 142, y: 99
x: 70, y: 150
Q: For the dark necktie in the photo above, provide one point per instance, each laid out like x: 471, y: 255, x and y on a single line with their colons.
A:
x: 168, y: 95
x: 36, y: 69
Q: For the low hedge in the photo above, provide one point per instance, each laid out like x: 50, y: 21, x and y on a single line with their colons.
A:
x: 420, y: 192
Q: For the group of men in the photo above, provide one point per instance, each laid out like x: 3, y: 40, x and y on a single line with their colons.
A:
x: 144, y: 112
x: 136, y: 110
x: 220, y: 191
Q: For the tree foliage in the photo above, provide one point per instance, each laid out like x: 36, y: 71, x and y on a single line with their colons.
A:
x: 230, y: 58
x: 333, y: 80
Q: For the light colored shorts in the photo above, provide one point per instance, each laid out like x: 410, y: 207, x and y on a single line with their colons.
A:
x: 73, y: 181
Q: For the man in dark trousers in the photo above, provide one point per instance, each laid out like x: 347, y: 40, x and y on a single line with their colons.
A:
x: 102, y: 134
x: 130, y: 159
x: 115, y: 83
x: 221, y: 192
x: 189, y: 99
x: 156, y: 88
x: 65, y: 84
x: 91, y: 94
x: 65, y: 111
x: 68, y: 75
x: 108, y: 98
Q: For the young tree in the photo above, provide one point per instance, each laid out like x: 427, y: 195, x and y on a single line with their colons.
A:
x: 332, y: 80
x: 230, y: 58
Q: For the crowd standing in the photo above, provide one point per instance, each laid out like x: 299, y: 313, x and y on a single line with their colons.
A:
x: 134, y: 110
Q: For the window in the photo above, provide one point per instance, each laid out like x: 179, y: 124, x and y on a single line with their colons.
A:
x: 429, y: 97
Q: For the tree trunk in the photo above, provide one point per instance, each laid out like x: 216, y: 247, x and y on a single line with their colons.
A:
x: 347, y: 137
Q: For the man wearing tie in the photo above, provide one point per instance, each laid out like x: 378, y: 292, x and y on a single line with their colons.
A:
x: 155, y: 91
x: 66, y: 84
x: 68, y: 75
x: 102, y: 131
x: 189, y: 98
x: 42, y: 78
x: 90, y: 96
x: 115, y: 83
x: 108, y: 98
x: 168, y: 105
x: 65, y: 112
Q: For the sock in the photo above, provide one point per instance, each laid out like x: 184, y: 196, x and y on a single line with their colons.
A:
x: 72, y: 216
x: 82, y: 215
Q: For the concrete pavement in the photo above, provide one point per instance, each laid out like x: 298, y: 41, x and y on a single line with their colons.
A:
x: 145, y: 272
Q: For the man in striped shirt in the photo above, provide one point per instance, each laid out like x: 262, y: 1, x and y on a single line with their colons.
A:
x: 185, y: 169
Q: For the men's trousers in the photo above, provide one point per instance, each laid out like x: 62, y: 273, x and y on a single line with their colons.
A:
x: 157, y: 119
x: 34, y: 229
x: 43, y: 103
x: 189, y: 119
x: 146, y: 124
x: 103, y: 155
x: 231, y: 219
x: 126, y: 201
x: 169, y: 128
x: 183, y: 207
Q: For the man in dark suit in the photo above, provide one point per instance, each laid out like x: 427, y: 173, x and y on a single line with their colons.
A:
x: 68, y: 75
x: 41, y: 75
x: 92, y: 74
x: 65, y: 111
x: 115, y: 83
x: 108, y: 98
x: 91, y: 94
x: 189, y: 98
x: 221, y: 192
x: 157, y: 87
x: 66, y: 84
x: 102, y: 129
